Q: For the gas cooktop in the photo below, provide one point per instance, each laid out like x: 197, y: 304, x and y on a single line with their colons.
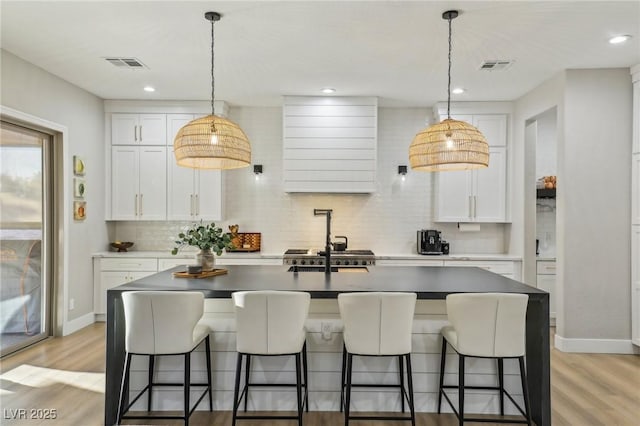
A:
x: 316, y: 257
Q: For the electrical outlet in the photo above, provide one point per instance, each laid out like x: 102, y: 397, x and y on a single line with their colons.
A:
x: 325, y: 327
x: 72, y: 304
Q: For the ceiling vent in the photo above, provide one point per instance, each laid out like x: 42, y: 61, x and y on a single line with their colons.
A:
x: 495, y: 65
x: 131, y: 63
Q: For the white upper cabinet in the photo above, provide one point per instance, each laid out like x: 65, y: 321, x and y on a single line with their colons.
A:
x: 139, y: 183
x: 478, y: 195
x: 330, y: 144
x: 192, y: 194
x: 138, y: 129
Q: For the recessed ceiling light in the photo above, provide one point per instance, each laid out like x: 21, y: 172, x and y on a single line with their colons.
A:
x: 149, y: 89
x: 458, y: 91
x: 328, y: 90
x: 619, y: 39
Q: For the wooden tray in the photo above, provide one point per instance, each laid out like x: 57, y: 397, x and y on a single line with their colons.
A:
x: 204, y: 274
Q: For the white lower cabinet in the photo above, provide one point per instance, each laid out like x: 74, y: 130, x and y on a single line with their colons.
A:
x: 112, y: 272
x: 546, y: 280
x: 409, y: 262
x: 635, y: 284
x: 168, y: 263
x: 507, y: 268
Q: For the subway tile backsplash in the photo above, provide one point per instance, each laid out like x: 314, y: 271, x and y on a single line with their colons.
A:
x: 385, y: 221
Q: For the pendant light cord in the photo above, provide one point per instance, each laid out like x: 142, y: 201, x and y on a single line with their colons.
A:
x: 449, y: 74
x: 213, y: 81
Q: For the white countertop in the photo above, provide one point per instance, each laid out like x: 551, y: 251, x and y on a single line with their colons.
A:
x: 260, y: 255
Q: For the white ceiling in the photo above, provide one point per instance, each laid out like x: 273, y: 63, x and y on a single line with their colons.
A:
x: 396, y: 50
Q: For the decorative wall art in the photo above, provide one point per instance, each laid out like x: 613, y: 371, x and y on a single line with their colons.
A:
x: 78, y: 166
x: 79, y: 210
x: 79, y: 187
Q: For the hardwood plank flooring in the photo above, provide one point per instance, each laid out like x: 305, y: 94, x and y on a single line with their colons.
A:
x: 67, y: 375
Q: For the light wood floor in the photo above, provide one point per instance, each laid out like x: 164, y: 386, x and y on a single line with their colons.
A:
x: 67, y: 375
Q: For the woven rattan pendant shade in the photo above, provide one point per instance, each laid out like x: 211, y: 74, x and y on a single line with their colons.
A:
x: 193, y: 146
x: 212, y: 142
x: 449, y: 145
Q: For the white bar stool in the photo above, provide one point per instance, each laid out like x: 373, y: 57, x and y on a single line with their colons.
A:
x: 377, y: 324
x: 271, y: 323
x: 485, y: 325
x: 163, y: 323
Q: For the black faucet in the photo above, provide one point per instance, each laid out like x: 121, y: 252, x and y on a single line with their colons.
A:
x: 327, y: 248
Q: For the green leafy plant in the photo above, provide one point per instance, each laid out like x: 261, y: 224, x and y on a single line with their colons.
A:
x: 204, y: 236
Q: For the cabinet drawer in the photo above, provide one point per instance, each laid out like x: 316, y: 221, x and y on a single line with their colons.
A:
x: 498, y: 267
x: 128, y: 264
x: 546, y: 267
x: 409, y: 262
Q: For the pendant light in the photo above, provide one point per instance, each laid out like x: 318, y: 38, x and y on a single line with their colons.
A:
x: 450, y: 144
x: 212, y: 142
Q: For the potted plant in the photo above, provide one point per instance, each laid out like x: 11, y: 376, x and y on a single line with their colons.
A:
x: 208, y: 238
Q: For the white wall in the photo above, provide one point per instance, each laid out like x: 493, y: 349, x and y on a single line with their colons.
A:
x: 385, y: 221
x: 33, y: 91
x: 593, y: 201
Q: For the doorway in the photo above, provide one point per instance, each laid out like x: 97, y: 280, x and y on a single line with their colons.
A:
x: 26, y: 211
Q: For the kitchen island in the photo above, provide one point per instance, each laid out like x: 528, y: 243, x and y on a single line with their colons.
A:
x: 433, y: 283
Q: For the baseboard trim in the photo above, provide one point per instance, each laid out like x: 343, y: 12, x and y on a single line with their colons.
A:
x: 77, y: 324
x: 595, y: 346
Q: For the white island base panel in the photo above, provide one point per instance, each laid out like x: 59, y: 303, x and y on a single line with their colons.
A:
x: 325, y: 361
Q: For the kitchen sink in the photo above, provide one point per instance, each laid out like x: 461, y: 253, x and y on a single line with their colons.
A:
x: 333, y: 269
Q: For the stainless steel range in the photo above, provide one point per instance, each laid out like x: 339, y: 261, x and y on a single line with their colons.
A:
x: 338, y: 258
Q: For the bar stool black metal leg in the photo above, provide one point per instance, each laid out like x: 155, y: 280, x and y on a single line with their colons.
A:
x: 348, y: 389
x: 410, y: 384
x: 401, y: 370
x: 306, y: 376
x: 342, y: 382
x: 187, y: 383
x: 207, y: 346
x: 299, y: 388
x: 525, y: 389
x: 461, y: 390
x: 152, y: 359
x: 443, y: 357
x: 246, y: 382
x: 124, y: 389
x: 501, y: 384
x: 236, y: 389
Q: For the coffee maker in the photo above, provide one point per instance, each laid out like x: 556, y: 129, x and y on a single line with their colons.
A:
x: 429, y: 242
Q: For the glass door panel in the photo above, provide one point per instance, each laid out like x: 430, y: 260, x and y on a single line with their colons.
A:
x: 25, y: 211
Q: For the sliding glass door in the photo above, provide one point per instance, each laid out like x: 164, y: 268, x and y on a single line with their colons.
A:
x: 25, y: 244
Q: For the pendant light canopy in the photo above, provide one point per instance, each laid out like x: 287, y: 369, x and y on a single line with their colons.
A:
x: 212, y: 142
x: 450, y: 144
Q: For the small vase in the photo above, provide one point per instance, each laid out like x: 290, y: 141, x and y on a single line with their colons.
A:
x: 206, y: 259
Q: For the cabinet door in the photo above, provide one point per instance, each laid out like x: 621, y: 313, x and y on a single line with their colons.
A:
x: 124, y: 182
x: 453, y: 192
x: 208, y: 202
x: 548, y: 284
x: 181, y: 190
x: 124, y: 130
x: 635, y: 284
x: 174, y: 123
x: 152, y: 129
x: 153, y: 183
x: 493, y: 127
x: 490, y: 189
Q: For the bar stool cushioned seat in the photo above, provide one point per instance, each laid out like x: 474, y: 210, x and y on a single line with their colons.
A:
x: 164, y: 323
x: 377, y: 324
x: 485, y: 325
x: 271, y: 323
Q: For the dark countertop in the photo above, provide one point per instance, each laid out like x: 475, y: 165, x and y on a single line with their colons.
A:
x: 427, y: 282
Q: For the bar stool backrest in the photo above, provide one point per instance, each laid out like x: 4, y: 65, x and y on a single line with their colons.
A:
x: 489, y: 324
x: 161, y: 322
x: 270, y: 322
x: 377, y: 323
